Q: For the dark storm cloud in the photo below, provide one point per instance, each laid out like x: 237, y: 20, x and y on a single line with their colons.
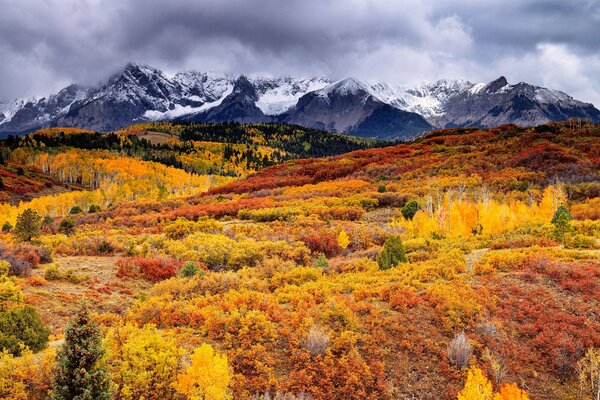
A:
x: 46, y: 44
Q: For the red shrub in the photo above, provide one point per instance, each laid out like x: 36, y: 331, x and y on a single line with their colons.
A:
x: 325, y: 243
x: 105, y: 289
x: 153, y: 269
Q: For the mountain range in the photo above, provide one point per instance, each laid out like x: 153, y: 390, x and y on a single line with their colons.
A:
x: 141, y: 93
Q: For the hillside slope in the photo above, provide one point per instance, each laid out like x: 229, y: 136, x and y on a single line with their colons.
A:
x: 287, y: 272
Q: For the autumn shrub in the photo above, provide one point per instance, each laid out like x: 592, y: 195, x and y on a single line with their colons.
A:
x: 34, y: 255
x: 522, y: 241
x: 296, y: 276
x: 143, y: 362
x: 27, y: 377
x: 588, y: 227
x: 457, y: 304
x: 270, y: 214
x: 342, y: 213
x: 391, y: 200
x: 322, y: 243
x: 36, y: 280
x: 506, y: 261
x: 54, y: 273
x: 282, y: 396
x: 92, y: 245
x: 154, y: 269
x: 578, y: 241
x: 460, y: 350
x: 18, y: 266
x: 181, y: 227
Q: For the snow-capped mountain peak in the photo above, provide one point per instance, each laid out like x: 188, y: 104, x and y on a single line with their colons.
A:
x: 142, y: 93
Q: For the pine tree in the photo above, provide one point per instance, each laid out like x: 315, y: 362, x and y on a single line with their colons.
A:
x: 561, y: 221
x: 79, y: 374
x: 410, y: 209
x: 28, y: 225
x: 392, y: 254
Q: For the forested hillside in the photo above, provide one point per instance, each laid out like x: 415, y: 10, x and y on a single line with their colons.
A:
x: 463, y: 265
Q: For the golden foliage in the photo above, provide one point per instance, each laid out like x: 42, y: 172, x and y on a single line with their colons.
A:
x: 207, y: 378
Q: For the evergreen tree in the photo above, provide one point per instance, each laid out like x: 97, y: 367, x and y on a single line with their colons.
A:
x: 561, y: 223
x: 22, y: 326
x: 67, y: 226
x: 410, y: 209
x: 28, y: 225
x: 6, y: 227
x: 79, y: 374
x: 392, y: 253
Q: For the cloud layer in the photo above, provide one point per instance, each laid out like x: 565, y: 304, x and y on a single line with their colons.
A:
x: 46, y: 44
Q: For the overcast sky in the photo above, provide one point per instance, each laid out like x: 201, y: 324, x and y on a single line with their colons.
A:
x: 46, y: 44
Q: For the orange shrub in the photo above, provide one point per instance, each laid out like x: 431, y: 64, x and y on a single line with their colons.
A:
x: 153, y: 269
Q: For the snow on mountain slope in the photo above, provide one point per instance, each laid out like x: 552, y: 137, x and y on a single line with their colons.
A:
x: 278, y: 95
x: 9, y: 108
x: 142, y: 93
x: 427, y: 99
x: 345, y: 87
x: 179, y: 110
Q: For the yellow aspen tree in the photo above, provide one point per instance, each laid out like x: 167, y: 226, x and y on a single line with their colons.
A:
x: 343, y: 240
x: 207, y: 378
x: 477, y: 386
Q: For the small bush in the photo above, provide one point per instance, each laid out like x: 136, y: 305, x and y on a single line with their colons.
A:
x: 323, y: 243
x: 37, y: 280
x: 321, y: 261
x: 75, y: 210
x: 54, y: 273
x: 47, y: 221
x: 22, y: 326
x: 153, y: 269
x: 67, y: 226
x: 460, y: 350
x: 18, y: 266
x: 6, y: 227
x: 93, y: 208
x: 580, y: 242
x: 189, y: 270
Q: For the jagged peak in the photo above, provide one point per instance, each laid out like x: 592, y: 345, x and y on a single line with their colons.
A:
x: 496, y: 85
